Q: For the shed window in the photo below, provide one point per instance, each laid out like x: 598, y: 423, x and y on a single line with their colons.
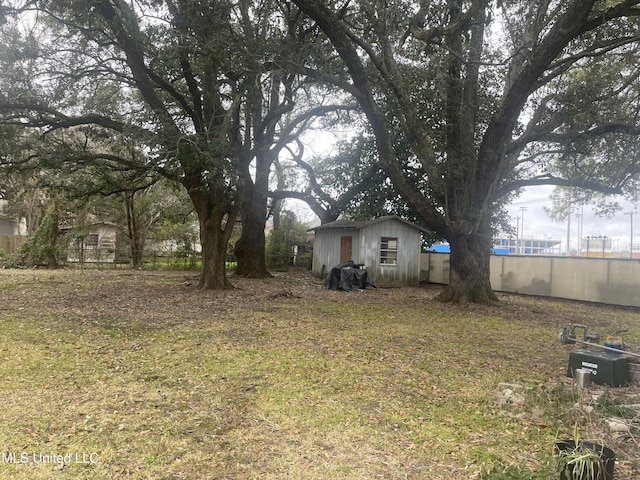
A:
x: 91, y: 240
x: 389, y: 251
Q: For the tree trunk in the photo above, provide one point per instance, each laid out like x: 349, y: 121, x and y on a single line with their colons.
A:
x: 213, y: 274
x: 250, y: 251
x: 52, y: 261
x: 469, y: 279
x: 250, y: 248
x: 216, y: 218
x: 137, y: 252
x: 136, y: 240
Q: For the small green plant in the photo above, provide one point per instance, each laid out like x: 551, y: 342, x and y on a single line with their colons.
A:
x: 281, y: 242
x: 577, y: 460
x: 43, y: 247
x: 548, y: 399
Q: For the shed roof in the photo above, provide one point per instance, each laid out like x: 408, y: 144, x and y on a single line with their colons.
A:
x: 70, y: 228
x: 359, y: 224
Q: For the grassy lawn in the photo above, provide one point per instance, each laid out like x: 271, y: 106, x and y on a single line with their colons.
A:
x: 122, y: 374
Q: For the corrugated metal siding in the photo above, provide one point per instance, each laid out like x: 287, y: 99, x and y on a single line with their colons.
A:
x: 366, y: 250
x: 326, y: 248
x: 407, y: 269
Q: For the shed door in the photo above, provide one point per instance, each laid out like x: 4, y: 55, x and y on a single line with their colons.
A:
x: 345, y: 249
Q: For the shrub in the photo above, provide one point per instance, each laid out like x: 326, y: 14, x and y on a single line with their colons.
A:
x: 41, y: 248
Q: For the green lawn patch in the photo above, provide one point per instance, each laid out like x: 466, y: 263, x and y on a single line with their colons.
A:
x: 119, y: 374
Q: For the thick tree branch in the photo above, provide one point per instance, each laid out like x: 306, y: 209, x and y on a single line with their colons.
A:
x: 493, y: 161
x: 559, y: 182
x: 54, y: 119
x: 119, y: 16
x: 342, y: 42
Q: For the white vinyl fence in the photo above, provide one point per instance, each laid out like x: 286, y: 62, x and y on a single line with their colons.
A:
x: 605, y: 280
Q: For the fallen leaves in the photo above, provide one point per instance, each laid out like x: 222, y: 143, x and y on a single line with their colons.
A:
x: 278, y: 377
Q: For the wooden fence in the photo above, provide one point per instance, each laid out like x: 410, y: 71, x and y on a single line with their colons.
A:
x: 10, y: 243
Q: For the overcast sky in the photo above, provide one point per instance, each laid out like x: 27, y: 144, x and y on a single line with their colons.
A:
x: 537, y: 223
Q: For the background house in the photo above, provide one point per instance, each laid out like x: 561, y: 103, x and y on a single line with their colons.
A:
x: 389, y: 248
x: 97, y: 243
x: 12, y: 233
x: 8, y: 226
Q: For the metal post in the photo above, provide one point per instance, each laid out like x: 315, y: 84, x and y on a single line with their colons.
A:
x: 631, y: 239
x: 522, y: 210
x: 569, y: 232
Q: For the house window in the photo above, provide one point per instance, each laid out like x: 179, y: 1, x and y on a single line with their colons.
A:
x: 389, y: 251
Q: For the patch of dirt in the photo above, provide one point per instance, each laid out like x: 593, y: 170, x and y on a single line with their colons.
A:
x: 168, y: 297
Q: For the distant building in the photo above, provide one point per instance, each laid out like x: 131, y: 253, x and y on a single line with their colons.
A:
x: 527, y: 246
x: 13, y: 232
x: 9, y: 226
x: 512, y: 246
x: 596, y: 246
x: 100, y: 242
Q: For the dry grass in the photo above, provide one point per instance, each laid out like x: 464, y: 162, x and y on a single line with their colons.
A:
x: 139, y: 375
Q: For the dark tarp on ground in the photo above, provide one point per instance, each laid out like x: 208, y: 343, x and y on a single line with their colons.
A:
x: 348, y: 276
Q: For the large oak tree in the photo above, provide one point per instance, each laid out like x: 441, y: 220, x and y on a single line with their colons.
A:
x: 490, y: 97
x: 202, y: 88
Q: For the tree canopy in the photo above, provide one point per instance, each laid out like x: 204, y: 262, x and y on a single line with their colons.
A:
x: 207, y: 90
x: 491, y: 97
x: 467, y: 101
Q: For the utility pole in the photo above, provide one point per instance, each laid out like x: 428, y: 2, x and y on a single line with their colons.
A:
x: 579, y: 217
x: 522, y: 210
x: 569, y: 231
x: 631, y: 239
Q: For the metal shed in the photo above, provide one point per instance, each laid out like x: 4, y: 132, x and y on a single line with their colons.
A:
x: 389, y: 248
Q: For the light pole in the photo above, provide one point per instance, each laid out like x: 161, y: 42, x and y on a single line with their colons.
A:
x: 569, y: 231
x: 631, y: 214
x: 579, y: 218
x: 522, y: 210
